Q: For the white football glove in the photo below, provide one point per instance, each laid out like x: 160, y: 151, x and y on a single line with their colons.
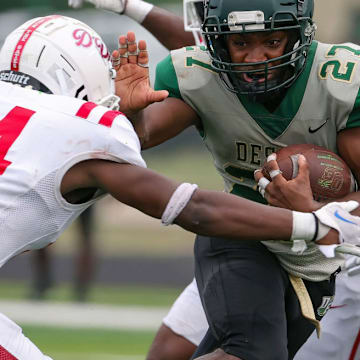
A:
x: 336, y: 215
x: 76, y: 3
x: 111, y: 5
x: 352, y: 265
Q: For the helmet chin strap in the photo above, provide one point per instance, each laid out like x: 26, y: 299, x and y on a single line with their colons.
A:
x: 258, y: 91
x: 262, y: 97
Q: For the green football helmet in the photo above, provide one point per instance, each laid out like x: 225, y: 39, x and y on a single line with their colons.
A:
x: 227, y: 17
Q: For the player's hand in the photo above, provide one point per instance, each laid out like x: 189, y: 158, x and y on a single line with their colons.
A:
x: 132, y: 85
x: 295, y: 194
x: 111, y: 5
x: 336, y: 215
x: 352, y: 266
x: 333, y: 228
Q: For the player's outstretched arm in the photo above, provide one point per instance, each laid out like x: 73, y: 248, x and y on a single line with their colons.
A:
x: 167, y: 27
x: 206, y: 212
x: 200, y: 211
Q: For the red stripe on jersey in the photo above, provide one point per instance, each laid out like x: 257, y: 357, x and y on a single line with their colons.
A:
x: 11, y: 127
x: 108, y: 118
x: 356, y: 347
x: 5, y: 355
x: 85, y: 109
x: 15, y: 59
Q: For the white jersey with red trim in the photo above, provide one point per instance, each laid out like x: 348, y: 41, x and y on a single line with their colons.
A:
x: 41, y: 137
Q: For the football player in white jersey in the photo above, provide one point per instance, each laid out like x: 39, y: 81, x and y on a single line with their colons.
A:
x: 185, y: 324
x: 255, y: 77
x: 60, y: 154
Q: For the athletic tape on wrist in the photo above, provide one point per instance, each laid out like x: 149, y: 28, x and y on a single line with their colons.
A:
x: 304, y: 226
x: 137, y: 9
x: 305, y: 229
x: 177, y: 202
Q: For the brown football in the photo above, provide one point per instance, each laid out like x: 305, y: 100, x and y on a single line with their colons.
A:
x: 330, y: 177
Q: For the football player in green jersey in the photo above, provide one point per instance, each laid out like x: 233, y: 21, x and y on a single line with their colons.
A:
x: 261, y: 84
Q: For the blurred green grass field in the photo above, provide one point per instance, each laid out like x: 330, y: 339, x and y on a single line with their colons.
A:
x: 63, y: 343
x: 90, y: 344
x: 121, y: 295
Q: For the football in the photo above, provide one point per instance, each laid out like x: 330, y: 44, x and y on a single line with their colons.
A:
x: 330, y: 177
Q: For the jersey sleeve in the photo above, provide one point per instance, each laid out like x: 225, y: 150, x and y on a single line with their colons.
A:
x: 125, y: 144
x: 354, y: 117
x: 166, y: 78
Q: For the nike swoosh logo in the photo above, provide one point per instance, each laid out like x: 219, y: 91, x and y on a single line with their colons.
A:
x: 311, y: 130
x: 343, y: 219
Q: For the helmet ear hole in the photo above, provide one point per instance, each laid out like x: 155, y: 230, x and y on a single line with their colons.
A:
x: 81, y: 93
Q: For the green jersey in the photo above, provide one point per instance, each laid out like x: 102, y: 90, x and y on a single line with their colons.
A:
x: 240, y: 134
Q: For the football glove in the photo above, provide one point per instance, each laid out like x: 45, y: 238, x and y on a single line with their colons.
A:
x: 352, y: 265
x: 336, y: 215
x: 111, y: 5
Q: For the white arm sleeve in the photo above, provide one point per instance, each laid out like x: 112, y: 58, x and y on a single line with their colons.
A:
x: 136, y: 9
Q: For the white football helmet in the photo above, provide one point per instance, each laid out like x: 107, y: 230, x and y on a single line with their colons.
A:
x: 193, y: 18
x: 59, y: 55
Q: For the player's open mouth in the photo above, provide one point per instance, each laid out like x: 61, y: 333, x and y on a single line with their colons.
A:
x: 254, y: 77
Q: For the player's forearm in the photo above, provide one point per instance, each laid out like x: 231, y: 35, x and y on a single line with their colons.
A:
x: 200, y: 211
x: 168, y: 28
x: 160, y: 122
x: 218, y: 214
x: 143, y: 125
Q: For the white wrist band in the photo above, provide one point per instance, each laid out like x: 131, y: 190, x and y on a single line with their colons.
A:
x: 137, y: 9
x: 304, y: 226
x: 304, y: 230
x: 177, y: 202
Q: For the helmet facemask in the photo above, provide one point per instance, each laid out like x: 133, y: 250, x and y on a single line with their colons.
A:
x: 287, y: 67
x: 193, y: 11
